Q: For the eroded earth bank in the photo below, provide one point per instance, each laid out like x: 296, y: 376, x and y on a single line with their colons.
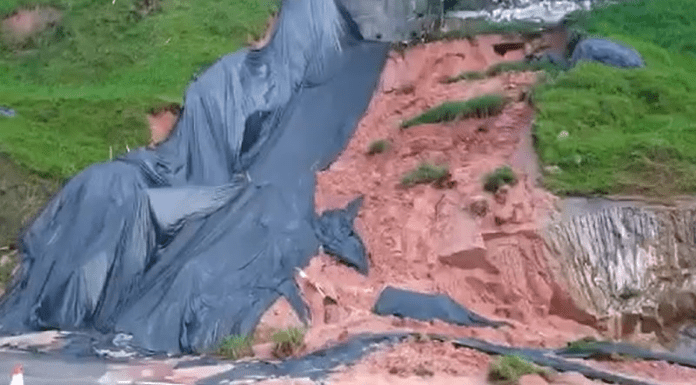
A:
x: 516, y: 255
x: 555, y: 270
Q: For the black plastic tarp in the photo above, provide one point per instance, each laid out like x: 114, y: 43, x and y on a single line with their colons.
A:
x: 426, y: 307
x: 321, y: 364
x: 182, y: 245
x: 607, y: 52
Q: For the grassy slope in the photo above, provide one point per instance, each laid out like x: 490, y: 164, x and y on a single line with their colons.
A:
x: 630, y: 131
x: 79, y: 95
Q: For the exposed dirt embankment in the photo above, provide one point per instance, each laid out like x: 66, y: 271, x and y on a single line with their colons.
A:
x: 630, y: 262
x: 429, y: 239
x: 486, y: 251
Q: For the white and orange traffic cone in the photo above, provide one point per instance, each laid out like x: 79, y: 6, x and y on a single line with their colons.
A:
x: 17, y: 375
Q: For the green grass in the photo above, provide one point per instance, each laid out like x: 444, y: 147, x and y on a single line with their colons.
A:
x: 520, y: 66
x: 467, y: 75
x: 236, y: 347
x: 670, y: 24
x: 378, y: 147
x: 590, y: 345
x: 6, y: 267
x: 476, y: 27
x: 499, y: 177
x: 425, y: 173
x: 630, y: 131
x: 509, y: 369
x: 287, y: 342
x: 512, y: 66
x: 581, y: 345
x: 88, y: 87
x: 481, y: 106
x: 471, y: 29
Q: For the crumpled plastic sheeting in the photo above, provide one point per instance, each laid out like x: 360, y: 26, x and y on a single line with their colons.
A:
x: 7, y: 112
x: 426, y: 307
x: 547, y: 358
x: 320, y: 364
x: 605, y: 348
x: 314, y: 366
x: 179, y: 246
x: 606, y: 52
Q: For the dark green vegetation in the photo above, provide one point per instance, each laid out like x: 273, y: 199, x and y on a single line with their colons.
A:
x: 511, y: 66
x: 287, y: 342
x: 468, y: 75
x: 378, y: 147
x: 8, y: 261
x: 509, y: 369
x: 473, y: 27
x: 425, y: 173
x: 520, y: 66
x: 499, y: 177
x: 590, y: 345
x: 236, y: 347
x: 85, y: 85
x: 21, y: 196
x: 630, y: 131
x: 581, y: 345
x: 481, y: 106
x: 469, y: 29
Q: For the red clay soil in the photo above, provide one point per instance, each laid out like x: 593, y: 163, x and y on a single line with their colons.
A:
x: 162, y: 122
x: 27, y: 22
x: 424, y: 238
x: 428, y: 239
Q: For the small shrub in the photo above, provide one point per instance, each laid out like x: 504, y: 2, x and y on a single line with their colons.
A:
x: 468, y: 75
x: 590, y: 346
x: 509, y: 369
x: 287, y: 342
x: 235, y: 347
x: 378, y: 147
x: 142, y: 8
x: 580, y: 345
x: 481, y: 106
x: 499, y: 177
x: 520, y: 66
x: 425, y: 173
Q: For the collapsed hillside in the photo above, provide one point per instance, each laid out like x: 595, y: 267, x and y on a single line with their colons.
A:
x: 489, y: 252
x: 486, y: 251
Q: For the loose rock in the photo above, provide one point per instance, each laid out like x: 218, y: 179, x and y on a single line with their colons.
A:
x: 479, y: 206
x: 501, y: 194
